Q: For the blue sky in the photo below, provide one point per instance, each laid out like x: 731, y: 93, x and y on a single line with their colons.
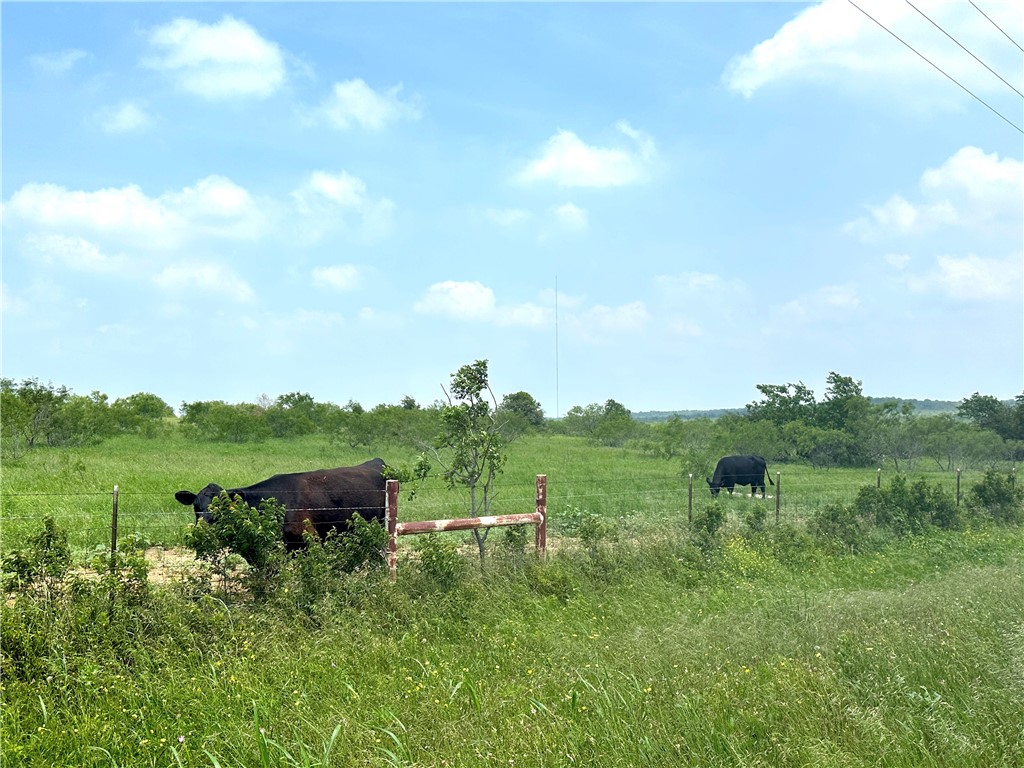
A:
x: 661, y: 203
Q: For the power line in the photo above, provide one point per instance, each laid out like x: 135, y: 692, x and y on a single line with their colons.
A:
x: 996, y: 26
x: 965, y: 88
x: 986, y: 66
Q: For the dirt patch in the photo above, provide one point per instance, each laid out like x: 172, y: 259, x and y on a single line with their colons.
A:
x: 165, y: 565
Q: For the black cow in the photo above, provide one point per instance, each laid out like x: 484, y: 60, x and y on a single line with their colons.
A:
x: 323, y: 498
x: 740, y: 470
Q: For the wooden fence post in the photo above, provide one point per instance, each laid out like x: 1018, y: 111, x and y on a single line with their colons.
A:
x: 958, y: 486
x: 541, y: 535
x: 392, y: 520
x: 878, y: 478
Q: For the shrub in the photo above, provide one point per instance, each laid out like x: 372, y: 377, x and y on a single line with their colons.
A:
x: 44, y: 563
x: 997, y: 497
x: 240, y: 531
x: 440, y: 561
x: 907, y: 510
x: 708, y: 520
x: 755, y: 519
x: 842, y: 527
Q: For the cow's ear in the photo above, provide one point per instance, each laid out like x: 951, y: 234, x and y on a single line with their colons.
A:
x: 185, y: 497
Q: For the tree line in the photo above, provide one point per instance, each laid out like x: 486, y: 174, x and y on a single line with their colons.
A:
x: 789, y: 422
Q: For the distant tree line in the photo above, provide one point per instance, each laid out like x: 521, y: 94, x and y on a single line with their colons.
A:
x: 788, y: 423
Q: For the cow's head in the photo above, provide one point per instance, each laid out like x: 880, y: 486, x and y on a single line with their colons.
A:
x: 715, y: 488
x: 200, y: 502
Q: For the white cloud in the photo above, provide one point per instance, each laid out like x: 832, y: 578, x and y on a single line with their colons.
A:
x: 972, y: 278
x: 834, y: 42
x: 473, y: 301
x: 126, y: 117
x: 214, y: 207
x: 571, y: 217
x: 74, y: 253
x: 11, y: 304
x: 340, y: 277
x: 688, y: 282
x: 353, y: 101
x: 460, y: 300
x: 523, y: 316
x: 567, y: 161
x: 990, y: 183
x: 897, y: 260
x: 325, y: 198
x: 226, y: 59
x: 826, y: 303
x: 626, y: 317
x: 187, y: 279
x: 59, y: 62
x: 507, y: 217
x: 970, y: 189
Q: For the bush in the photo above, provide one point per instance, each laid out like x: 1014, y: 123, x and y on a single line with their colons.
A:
x: 44, y: 563
x: 997, y: 497
x: 240, y: 531
x: 707, y: 523
x: 907, y: 510
x: 841, y: 527
x: 439, y: 561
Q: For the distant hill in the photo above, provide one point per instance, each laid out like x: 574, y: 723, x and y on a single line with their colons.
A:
x: 921, y: 408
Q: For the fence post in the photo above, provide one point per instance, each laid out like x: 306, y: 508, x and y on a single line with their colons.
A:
x: 689, y: 501
x: 392, y: 520
x: 113, y: 534
x: 878, y: 478
x: 541, y: 534
x: 778, y: 495
x: 958, y: 486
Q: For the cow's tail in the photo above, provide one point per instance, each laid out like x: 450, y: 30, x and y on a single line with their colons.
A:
x: 770, y: 481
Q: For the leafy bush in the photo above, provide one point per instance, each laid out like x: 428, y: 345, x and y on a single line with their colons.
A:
x: 238, y: 530
x: 997, y: 497
x: 44, y: 563
x: 907, y: 510
x: 439, y: 561
x: 842, y: 527
x: 707, y: 523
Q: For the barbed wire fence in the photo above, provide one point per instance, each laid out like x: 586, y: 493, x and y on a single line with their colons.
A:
x: 142, y: 518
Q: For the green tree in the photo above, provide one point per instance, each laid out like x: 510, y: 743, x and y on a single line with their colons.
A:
x: 142, y: 412
x: 470, y: 447
x: 217, y: 421
x: 525, y: 407
x: 783, y: 403
x: 29, y: 412
x: 987, y: 412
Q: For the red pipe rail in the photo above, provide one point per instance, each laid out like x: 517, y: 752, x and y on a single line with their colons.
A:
x: 396, y: 529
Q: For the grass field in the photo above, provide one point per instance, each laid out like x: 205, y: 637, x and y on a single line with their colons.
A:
x: 638, y: 650
x: 76, y: 486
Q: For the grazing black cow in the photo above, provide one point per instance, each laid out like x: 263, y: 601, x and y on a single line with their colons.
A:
x: 323, y: 498
x: 740, y: 470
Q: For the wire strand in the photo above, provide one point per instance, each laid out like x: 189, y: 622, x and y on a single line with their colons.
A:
x: 996, y: 26
x: 986, y: 66
x: 936, y: 66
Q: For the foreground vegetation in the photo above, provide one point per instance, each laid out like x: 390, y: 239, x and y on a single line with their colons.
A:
x: 880, y: 627
x: 854, y: 617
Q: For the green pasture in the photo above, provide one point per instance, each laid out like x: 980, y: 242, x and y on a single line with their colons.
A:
x: 639, y: 491
x: 642, y: 646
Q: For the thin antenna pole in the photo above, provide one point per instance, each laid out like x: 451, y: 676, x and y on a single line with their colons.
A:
x: 558, y: 412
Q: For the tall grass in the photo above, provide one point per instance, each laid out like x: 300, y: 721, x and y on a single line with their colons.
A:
x: 907, y: 657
